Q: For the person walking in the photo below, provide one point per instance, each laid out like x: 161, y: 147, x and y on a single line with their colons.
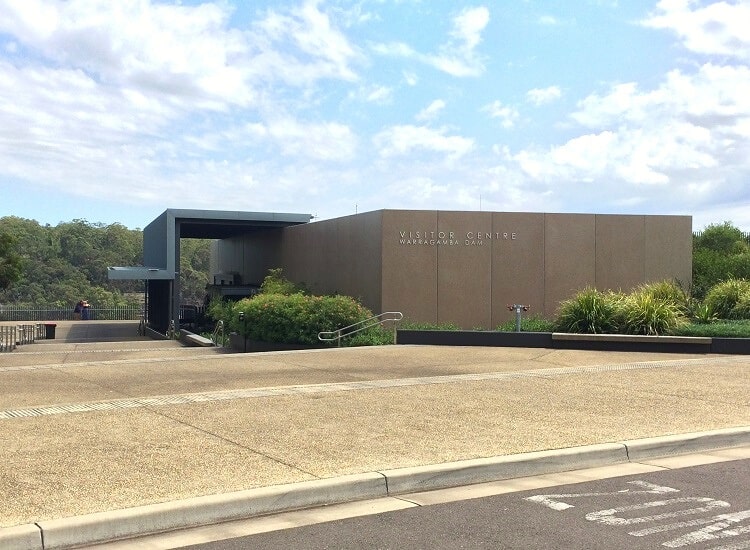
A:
x: 86, y: 311
x: 78, y: 311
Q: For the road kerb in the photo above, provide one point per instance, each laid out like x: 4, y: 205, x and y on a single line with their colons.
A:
x: 22, y: 537
x: 102, y: 527
x: 481, y: 470
x: 156, y: 518
x: 653, y: 447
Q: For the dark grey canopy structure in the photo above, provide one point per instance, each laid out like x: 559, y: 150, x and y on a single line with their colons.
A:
x: 161, y: 252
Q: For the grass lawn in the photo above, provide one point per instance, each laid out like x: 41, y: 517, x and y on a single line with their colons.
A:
x: 719, y: 329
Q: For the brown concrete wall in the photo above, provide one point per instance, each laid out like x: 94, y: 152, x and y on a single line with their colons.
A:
x: 464, y: 272
x: 410, y: 280
x: 620, y: 252
x: 669, y: 248
x: 518, y: 264
x: 569, y: 257
x: 340, y: 256
x: 467, y: 267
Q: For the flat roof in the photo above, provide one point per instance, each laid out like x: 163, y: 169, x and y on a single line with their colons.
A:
x: 177, y: 223
x: 221, y: 224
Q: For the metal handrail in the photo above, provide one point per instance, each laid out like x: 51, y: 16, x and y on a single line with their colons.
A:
x: 217, y: 336
x: 330, y: 336
x: 7, y: 338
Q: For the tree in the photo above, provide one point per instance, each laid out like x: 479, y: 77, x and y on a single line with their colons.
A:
x: 723, y: 238
x: 66, y: 263
x: 194, y: 267
x: 720, y: 252
x: 10, y: 261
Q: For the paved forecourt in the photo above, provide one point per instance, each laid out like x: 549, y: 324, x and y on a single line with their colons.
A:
x: 89, y: 426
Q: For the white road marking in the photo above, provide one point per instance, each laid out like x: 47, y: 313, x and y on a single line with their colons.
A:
x: 608, y: 517
x: 550, y: 501
x: 719, y: 530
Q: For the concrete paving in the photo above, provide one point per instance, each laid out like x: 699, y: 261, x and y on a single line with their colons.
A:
x: 92, y: 424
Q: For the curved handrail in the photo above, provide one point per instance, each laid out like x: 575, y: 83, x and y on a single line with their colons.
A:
x: 218, y: 334
x: 330, y: 336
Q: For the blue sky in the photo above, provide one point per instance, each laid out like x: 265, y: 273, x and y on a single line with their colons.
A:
x: 114, y: 110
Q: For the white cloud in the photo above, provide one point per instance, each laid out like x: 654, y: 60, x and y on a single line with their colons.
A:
x: 693, y: 131
x: 720, y: 28
x: 323, y: 50
x: 410, y: 78
x: 431, y: 111
x: 549, y: 20
x: 717, y: 97
x: 405, y: 139
x: 325, y: 141
x: 457, y: 57
x: 186, y: 53
x: 468, y: 27
x: 507, y: 115
x: 379, y: 95
x: 541, y: 96
x: 142, y: 101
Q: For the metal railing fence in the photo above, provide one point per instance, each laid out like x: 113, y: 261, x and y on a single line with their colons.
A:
x: 42, y: 313
x: 7, y: 338
x: 388, y: 316
x: 12, y: 336
x: 745, y: 235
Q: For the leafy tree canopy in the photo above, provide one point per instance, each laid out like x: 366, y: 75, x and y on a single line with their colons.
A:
x: 724, y: 238
x: 10, y: 261
x: 59, y: 265
x: 720, y: 252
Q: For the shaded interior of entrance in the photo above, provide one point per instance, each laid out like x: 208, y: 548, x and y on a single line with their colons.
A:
x: 161, y: 253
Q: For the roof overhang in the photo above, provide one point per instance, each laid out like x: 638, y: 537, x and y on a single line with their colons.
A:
x: 161, y: 237
x: 138, y: 272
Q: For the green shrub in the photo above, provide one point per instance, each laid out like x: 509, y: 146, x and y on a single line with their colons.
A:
x: 667, y: 291
x: 219, y: 309
x: 415, y: 325
x: 720, y: 252
x: 645, y: 313
x: 374, y: 336
x: 532, y: 323
x: 718, y: 329
x: 703, y: 314
x: 276, y: 283
x: 742, y: 307
x: 295, y: 318
x: 724, y: 238
x: 590, y: 312
x: 730, y: 299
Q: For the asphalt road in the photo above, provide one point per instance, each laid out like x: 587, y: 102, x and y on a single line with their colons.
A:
x: 698, y: 508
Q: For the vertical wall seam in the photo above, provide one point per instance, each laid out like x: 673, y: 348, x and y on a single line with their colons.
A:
x: 645, y: 252
x: 493, y: 323
x: 437, y: 271
x: 596, y: 252
x: 544, y: 265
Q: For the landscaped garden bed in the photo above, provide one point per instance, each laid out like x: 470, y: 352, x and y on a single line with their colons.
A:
x: 657, y: 317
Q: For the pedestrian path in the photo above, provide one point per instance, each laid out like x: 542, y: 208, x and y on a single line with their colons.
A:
x: 127, y: 425
x: 311, y: 389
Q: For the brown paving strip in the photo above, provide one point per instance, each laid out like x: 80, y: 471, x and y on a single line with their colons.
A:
x: 253, y: 393
x: 113, y: 350
x: 103, y: 363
